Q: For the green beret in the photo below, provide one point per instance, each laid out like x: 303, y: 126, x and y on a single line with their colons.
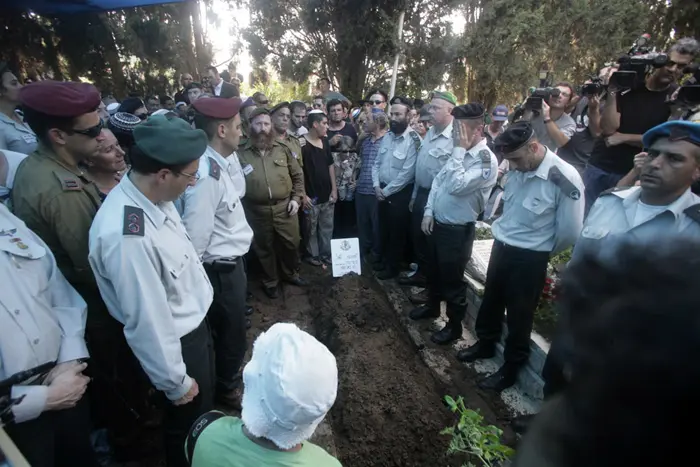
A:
x: 170, y: 140
x: 445, y: 96
x: 257, y: 112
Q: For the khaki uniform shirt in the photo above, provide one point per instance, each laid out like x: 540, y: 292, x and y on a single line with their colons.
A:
x: 272, y: 177
x: 294, y: 144
x: 58, y: 203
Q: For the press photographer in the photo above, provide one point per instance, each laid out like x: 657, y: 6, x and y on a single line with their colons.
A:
x: 586, y: 114
x: 633, y: 107
x: 549, y: 119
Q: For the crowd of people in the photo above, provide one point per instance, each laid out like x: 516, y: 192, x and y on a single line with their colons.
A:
x: 127, y: 228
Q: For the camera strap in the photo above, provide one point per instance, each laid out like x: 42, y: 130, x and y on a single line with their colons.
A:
x: 197, y: 429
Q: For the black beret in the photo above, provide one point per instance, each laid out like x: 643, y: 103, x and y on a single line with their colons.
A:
x: 60, y: 99
x: 170, y: 140
x: 218, y: 107
x: 468, y: 111
x: 131, y: 105
x: 402, y: 100
x: 514, y: 137
x: 281, y: 105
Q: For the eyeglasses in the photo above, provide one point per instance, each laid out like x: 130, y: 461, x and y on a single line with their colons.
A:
x: 376, y: 102
x: 264, y: 102
x: 92, y: 132
x: 194, y: 176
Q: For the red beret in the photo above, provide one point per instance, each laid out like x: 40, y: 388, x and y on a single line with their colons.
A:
x: 60, y: 99
x: 218, y: 107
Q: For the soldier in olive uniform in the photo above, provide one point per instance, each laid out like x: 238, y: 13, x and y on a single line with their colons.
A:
x: 281, y: 116
x: 274, y: 192
x: 58, y: 201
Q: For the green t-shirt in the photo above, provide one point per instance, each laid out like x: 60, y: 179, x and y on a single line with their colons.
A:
x: 223, y: 444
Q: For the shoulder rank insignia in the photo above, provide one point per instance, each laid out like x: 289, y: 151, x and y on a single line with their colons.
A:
x: 416, y: 139
x: 485, y: 157
x: 614, y: 190
x: 214, y: 169
x: 69, y: 183
x: 693, y: 212
x: 564, y: 184
x: 133, y: 221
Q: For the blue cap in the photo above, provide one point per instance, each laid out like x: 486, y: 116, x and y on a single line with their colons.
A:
x: 674, y: 130
x: 500, y: 113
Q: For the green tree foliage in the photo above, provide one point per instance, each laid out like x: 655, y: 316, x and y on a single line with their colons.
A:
x: 134, y: 50
x: 353, y: 42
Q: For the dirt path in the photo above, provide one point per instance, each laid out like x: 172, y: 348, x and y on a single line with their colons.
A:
x: 389, y: 409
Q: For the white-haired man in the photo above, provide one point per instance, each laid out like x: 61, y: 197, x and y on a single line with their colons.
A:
x: 280, y: 409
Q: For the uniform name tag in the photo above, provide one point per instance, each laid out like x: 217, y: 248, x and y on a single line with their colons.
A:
x: 29, y: 138
x: 248, y: 169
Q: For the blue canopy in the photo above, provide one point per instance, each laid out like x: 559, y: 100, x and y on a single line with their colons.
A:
x: 81, y: 6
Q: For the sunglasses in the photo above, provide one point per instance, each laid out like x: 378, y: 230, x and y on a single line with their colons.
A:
x: 376, y: 102
x: 92, y: 132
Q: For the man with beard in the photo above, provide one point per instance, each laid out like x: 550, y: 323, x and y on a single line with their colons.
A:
x: 151, y: 277
x: 274, y: 193
x: 392, y: 177
x: 281, y: 116
x: 247, y: 108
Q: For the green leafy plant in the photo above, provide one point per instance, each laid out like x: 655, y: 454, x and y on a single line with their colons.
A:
x: 470, y: 436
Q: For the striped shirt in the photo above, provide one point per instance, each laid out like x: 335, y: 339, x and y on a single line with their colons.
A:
x: 370, y: 149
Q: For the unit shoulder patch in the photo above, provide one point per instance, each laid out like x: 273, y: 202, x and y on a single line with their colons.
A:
x: 133, y: 221
x: 214, y: 169
x: 693, y: 212
x: 564, y: 184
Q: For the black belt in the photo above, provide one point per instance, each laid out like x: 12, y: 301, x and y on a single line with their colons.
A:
x: 222, y: 265
x: 523, y: 250
x: 456, y: 226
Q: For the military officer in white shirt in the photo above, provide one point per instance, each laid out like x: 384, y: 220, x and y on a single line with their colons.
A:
x: 434, y: 152
x: 150, y: 274
x: 458, y: 195
x: 214, y: 218
x: 542, y: 216
x: 42, y: 323
x: 392, y: 177
x: 661, y: 209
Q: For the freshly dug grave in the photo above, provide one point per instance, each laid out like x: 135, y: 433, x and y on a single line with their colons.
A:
x: 389, y: 410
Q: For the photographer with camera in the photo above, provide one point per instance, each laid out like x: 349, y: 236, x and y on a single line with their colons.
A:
x: 550, y: 121
x: 586, y: 114
x: 630, y: 111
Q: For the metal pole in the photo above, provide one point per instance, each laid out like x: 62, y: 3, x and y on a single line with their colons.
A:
x: 394, y: 76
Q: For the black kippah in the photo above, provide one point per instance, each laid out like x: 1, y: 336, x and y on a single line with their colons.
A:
x: 468, y: 111
x: 401, y: 100
x: 514, y: 137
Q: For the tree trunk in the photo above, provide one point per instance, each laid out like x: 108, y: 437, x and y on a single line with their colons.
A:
x: 352, y: 71
x: 198, y: 37
x: 111, y: 56
x: 186, y: 35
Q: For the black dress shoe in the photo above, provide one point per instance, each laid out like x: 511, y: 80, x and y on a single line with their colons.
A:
x: 298, y: 281
x: 419, y: 298
x: 272, y: 292
x: 249, y: 296
x: 249, y: 310
x: 387, y: 274
x: 424, y: 312
x: 248, y: 324
x: 477, y: 351
x: 504, y: 378
x: 521, y: 423
x: 417, y: 280
x: 450, y: 333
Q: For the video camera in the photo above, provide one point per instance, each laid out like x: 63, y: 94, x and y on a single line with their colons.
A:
x: 539, y: 95
x: 636, y: 64
x: 594, y: 88
x: 689, y: 94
